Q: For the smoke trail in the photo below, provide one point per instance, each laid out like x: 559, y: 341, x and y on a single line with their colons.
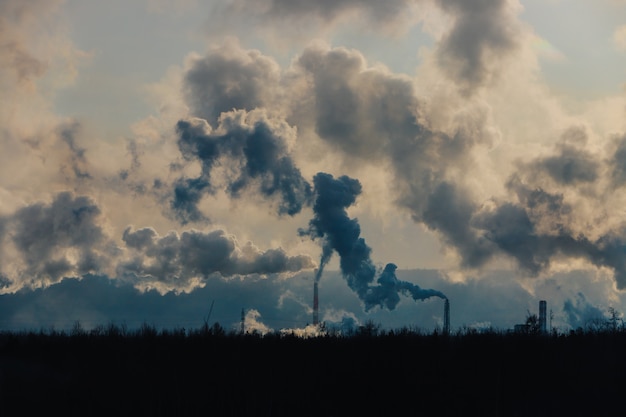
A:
x: 340, y: 233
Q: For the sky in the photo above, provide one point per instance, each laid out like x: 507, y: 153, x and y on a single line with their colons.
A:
x: 163, y: 160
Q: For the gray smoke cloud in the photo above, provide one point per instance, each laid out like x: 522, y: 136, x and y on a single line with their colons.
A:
x: 176, y: 260
x: 256, y: 152
x: 339, y: 233
x: 570, y: 165
x: 484, y: 32
x: 229, y: 78
x: 55, y: 240
x: 374, y: 116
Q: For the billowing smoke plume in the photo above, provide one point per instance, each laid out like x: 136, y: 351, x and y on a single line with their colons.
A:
x: 43, y: 243
x: 230, y: 78
x: 339, y: 233
x: 181, y: 261
x: 254, y: 152
x: 482, y: 33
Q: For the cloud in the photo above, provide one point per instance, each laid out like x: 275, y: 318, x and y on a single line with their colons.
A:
x: 47, y: 242
x: 373, y: 116
x: 180, y: 262
x: 255, y: 150
x: 619, y: 38
x: 229, y: 78
x: 480, y: 37
x: 483, y: 34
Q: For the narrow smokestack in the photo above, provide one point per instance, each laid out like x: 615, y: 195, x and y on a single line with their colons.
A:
x: 315, y: 305
x: 446, y: 317
x: 542, y: 316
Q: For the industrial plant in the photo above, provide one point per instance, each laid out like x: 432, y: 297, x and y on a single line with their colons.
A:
x: 540, y: 325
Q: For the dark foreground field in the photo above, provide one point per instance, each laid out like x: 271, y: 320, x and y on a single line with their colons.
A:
x: 403, y: 373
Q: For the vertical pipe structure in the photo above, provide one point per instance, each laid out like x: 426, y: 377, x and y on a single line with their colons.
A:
x: 315, y: 304
x: 542, y: 317
x: 446, y: 317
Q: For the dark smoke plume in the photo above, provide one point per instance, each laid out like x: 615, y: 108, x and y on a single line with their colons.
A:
x: 340, y: 233
x: 256, y: 155
x: 56, y: 240
x: 176, y: 260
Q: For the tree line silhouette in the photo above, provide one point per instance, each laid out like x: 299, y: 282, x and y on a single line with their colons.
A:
x: 112, y: 370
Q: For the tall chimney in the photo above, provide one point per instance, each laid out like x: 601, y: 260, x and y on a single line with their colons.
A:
x: 446, y: 317
x: 315, y: 305
x: 542, y: 317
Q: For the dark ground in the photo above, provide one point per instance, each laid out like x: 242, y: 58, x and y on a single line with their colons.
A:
x: 178, y: 373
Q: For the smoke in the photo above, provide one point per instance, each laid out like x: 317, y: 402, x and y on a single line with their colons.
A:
x: 254, y: 152
x: 77, y: 160
x: 483, y: 34
x: 181, y: 261
x: 229, y: 78
x: 339, y: 233
x: 581, y: 314
x: 253, y: 323
x: 44, y: 243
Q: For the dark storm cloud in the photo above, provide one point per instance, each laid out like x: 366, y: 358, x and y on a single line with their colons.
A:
x: 484, y: 32
x: 175, y: 259
x: 59, y: 239
x: 229, y: 78
x: 339, y: 233
x: 255, y: 154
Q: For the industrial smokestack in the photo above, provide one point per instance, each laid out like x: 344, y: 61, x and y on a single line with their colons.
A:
x: 446, y: 317
x: 542, y: 317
